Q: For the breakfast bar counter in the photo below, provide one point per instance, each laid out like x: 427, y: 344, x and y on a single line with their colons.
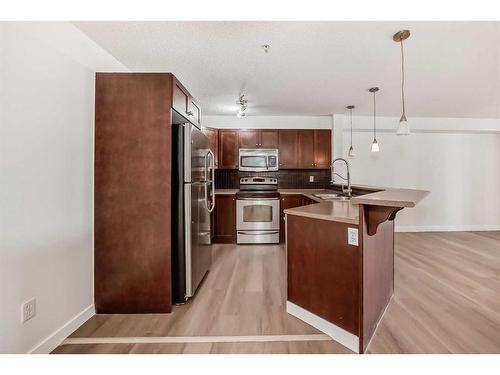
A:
x: 340, y: 261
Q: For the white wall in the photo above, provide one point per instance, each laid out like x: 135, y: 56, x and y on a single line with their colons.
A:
x: 458, y: 160
x: 46, y: 172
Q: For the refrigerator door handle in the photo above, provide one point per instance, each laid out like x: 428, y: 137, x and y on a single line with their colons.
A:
x: 212, y: 178
x: 210, y: 207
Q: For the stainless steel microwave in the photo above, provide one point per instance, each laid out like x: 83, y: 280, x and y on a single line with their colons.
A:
x: 258, y: 159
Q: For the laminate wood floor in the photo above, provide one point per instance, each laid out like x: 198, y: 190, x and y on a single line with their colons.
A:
x: 447, y: 300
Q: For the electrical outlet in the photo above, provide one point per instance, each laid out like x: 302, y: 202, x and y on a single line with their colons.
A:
x: 311, y: 178
x: 28, y: 310
x: 352, y: 236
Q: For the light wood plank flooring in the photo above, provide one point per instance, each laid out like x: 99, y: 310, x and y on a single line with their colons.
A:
x: 447, y: 300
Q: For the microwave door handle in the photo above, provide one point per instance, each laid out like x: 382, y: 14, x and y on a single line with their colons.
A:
x: 267, y: 162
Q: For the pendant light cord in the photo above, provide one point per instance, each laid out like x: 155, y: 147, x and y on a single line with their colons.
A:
x: 350, y: 110
x: 374, y: 117
x: 403, y: 77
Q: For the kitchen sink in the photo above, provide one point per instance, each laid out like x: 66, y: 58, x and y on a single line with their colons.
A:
x: 332, y: 196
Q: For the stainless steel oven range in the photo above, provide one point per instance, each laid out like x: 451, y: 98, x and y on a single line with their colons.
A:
x: 258, y: 211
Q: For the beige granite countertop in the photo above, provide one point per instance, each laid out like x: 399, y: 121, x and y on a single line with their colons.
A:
x: 340, y: 211
x: 392, y: 197
x: 348, y: 211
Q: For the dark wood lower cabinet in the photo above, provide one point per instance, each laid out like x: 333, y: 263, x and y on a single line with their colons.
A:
x: 348, y: 285
x: 306, y: 201
x: 324, y: 271
x: 288, y: 201
x: 224, y: 219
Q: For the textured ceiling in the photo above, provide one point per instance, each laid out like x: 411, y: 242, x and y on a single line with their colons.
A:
x: 317, y: 68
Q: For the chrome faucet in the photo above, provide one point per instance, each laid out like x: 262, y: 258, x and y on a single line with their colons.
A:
x: 347, y: 191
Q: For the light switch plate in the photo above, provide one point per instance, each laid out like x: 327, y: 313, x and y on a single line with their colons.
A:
x: 352, y: 236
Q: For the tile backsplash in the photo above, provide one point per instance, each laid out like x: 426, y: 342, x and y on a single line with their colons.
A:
x: 287, y: 178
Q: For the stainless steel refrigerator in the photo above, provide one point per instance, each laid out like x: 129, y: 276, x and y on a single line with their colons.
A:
x: 193, y: 199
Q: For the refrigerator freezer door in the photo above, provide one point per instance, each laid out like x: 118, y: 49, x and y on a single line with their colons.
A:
x: 198, y: 243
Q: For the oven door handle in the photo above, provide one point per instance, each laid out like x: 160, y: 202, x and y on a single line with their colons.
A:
x: 257, y: 233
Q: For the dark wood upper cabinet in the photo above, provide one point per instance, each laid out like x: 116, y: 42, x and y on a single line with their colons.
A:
x: 269, y: 138
x: 180, y: 98
x: 288, y: 148
x: 194, y: 112
x: 258, y: 138
x: 298, y: 148
x: 224, y: 218
x: 228, y: 148
x: 322, y: 149
x: 249, y: 138
x: 213, y: 141
x: 306, y: 149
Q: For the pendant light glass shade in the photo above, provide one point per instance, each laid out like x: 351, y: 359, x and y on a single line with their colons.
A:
x: 351, y: 153
x: 375, y: 146
x: 403, y: 126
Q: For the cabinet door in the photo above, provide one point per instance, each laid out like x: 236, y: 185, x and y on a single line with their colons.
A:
x: 194, y: 112
x: 288, y: 201
x: 306, y: 149
x: 225, y: 218
x: 228, y: 148
x: 213, y: 142
x: 322, y: 149
x: 269, y: 138
x: 248, y: 138
x: 180, y: 99
x: 288, y: 149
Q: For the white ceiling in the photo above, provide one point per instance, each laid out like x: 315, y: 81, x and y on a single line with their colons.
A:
x: 317, y: 68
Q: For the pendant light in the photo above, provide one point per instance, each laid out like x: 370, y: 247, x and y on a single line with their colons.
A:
x: 375, y: 147
x: 351, y: 153
x: 403, y: 126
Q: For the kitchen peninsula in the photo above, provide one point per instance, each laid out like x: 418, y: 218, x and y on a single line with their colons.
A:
x: 340, y: 262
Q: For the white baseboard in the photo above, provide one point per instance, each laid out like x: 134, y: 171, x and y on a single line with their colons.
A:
x: 53, y: 341
x: 338, y: 334
x: 447, y: 228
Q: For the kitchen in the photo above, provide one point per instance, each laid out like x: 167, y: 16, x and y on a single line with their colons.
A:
x: 232, y: 209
